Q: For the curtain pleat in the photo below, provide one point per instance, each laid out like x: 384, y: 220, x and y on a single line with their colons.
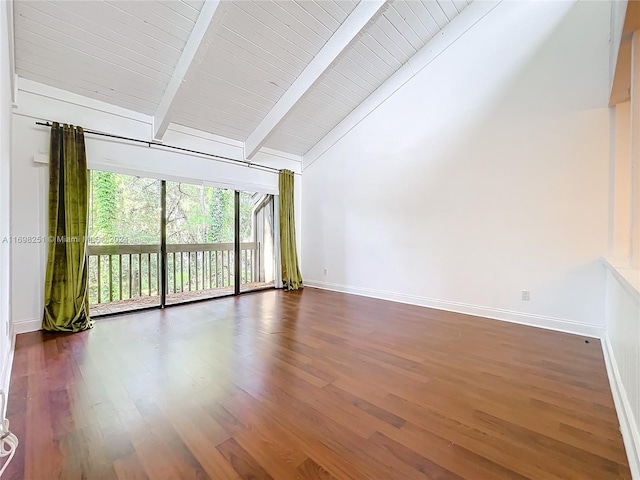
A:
x: 291, y: 278
x: 66, y: 301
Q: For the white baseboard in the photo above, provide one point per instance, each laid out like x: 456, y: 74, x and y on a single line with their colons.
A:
x: 541, y: 321
x: 628, y: 426
x: 26, y: 326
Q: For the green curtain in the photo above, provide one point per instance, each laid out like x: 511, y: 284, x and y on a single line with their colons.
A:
x: 291, y: 278
x: 66, y: 301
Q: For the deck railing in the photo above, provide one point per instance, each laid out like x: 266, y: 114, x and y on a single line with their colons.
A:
x: 121, y: 272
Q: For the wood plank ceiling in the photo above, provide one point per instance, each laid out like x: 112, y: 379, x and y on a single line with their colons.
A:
x: 123, y: 53
x: 126, y: 52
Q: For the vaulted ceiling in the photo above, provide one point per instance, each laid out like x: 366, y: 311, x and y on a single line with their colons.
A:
x: 280, y: 74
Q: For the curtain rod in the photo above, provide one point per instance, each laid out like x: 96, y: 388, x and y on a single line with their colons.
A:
x: 158, y: 144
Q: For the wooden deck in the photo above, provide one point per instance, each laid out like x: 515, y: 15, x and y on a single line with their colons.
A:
x: 312, y: 385
x: 138, y: 303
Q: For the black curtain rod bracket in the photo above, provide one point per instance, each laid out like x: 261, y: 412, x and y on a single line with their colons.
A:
x: 172, y: 147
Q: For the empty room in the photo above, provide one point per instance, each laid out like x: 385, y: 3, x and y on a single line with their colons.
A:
x: 320, y: 239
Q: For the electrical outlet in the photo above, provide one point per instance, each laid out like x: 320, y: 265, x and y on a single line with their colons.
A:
x: 526, y: 295
x: 326, y: 272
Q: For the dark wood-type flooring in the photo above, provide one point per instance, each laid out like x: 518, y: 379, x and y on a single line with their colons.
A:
x: 312, y: 385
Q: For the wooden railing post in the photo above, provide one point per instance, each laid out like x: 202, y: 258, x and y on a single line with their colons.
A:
x: 215, y: 261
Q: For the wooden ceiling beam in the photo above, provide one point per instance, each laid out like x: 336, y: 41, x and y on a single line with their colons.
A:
x: 192, y: 56
x: 349, y: 31
x: 621, y: 88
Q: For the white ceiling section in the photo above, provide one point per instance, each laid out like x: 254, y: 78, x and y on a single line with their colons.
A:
x: 125, y: 52
x: 384, y: 47
x: 121, y: 52
x: 259, y: 51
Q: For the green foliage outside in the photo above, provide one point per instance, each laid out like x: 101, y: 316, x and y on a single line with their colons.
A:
x: 125, y: 210
x: 104, y: 218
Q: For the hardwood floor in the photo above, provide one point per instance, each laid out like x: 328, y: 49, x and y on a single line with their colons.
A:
x: 312, y: 385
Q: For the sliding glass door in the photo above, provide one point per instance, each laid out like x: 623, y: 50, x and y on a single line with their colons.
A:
x: 200, y: 242
x: 124, y: 242
x: 156, y: 243
x: 257, y: 259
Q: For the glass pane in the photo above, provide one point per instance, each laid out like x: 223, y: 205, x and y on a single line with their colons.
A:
x: 124, y: 243
x: 200, y: 249
x: 257, y: 259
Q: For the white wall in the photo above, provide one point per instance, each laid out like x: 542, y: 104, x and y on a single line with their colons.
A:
x: 484, y: 175
x: 622, y: 351
x: 29, y: 179
x: 621, y: 342
x: 620, y: 183
x: 6, y: 343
